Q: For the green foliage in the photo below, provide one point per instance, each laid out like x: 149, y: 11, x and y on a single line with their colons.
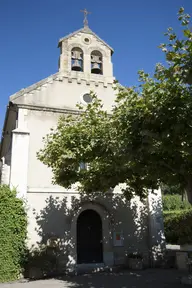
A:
x: 171, y: 190
x: 175, y: 202
x: 145, y: 141
x: 13, y: 231
x: 178, y: 227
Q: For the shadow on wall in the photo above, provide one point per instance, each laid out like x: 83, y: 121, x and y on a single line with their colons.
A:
x: 56, y: 252
x: 157, y: 242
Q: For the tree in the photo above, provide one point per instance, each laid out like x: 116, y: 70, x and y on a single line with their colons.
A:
x: 147, y: 139
x: 171, y: 190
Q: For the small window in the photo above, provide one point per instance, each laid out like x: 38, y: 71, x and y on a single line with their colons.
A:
x: 83, y: 166
x: 87, y: 98
x: 86, y: 40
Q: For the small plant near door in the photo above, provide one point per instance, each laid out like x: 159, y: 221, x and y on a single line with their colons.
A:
x: 135, y: 261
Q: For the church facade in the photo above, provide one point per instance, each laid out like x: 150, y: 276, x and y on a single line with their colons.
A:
x: 96, y: 230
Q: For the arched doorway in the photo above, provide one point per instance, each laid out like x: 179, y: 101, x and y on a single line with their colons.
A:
x: 89, y: 237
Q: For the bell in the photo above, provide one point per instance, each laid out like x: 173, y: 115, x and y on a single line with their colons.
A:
x: 76, y: 65
x: 96, y: 68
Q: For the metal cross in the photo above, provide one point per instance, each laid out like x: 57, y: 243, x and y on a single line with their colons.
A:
x: 85, y: 21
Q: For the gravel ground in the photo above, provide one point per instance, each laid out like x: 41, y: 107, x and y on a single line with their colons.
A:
x: 151, y: 278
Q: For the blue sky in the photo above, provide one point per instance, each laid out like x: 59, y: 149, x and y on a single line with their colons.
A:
x: 30, y: 30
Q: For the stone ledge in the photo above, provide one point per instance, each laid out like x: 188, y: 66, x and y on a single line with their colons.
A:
x: 21, y: 131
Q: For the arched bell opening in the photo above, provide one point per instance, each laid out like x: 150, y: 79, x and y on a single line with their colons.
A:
x: 96, y: 62
x: 77, y: 59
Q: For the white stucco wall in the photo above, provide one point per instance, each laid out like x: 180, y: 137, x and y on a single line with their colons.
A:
x: 6, y: 145
x: 57, y: 95
x: 65, y: 95
x: 129, y: 218
x: 55, y: 214
x: 51, y: 208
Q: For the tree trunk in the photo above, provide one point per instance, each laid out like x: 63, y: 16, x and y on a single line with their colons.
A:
x: 188, y: 189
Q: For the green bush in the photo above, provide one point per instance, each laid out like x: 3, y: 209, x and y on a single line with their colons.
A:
x: 178, y: 227
x: 13, y: 232
x: 174, y: 202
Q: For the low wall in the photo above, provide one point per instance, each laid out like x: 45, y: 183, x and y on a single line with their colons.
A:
x: 179, y: 256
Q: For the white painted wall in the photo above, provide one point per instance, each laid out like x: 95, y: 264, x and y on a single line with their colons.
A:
x: 19, y: 162
x: 64, y: 94
x: 54, y: 214
x: 19, y: 155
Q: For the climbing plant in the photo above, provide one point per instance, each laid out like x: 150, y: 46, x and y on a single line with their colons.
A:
x: 13, y: 233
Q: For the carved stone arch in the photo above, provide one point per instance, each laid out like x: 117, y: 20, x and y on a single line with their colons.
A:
x: 74, y: 45
x: 91, y: 49
x: 96, y: 61
x: 77, y: 58
x: 81, y: 206
x: 106, y: 218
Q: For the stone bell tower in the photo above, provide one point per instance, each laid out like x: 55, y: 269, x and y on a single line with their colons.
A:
x: 84, y: 55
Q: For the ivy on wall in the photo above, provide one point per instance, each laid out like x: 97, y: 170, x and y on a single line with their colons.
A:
x: 13, y: 233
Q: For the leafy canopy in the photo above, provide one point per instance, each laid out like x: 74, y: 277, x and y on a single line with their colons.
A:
x: 145, y: 141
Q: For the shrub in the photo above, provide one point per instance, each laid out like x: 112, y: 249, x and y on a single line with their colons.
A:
x: 13, y: 232
x: 178, y: 227
x: 174, y: 202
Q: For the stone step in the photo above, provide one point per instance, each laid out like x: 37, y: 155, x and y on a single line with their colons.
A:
x: 93, y: 268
